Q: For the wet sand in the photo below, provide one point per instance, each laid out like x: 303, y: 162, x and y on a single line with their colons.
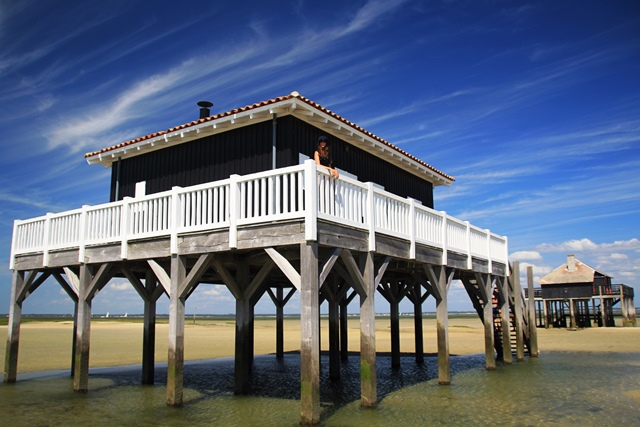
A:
x: 46, y: 345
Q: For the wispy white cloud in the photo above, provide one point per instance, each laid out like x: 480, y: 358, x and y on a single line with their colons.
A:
x: 586, y: 245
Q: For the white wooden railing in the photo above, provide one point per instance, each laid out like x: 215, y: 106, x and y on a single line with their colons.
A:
x: 275, y: 195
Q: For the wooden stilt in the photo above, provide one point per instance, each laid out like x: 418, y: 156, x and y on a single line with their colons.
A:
x: 279, y: 300
x: 417, y: 298
x: 572, y: 310
x: 368, y: 386
x: 149, y: 334
x: 81, y: 371
x: 440, y: 278
x: 71, y: 288
x: 243, y: 351
x: 503, y: 289
x: 175, y: 357
x: 310, y: 340
x: 518, y: 311
x: 533, y: 327
x: 330, y: 290
x: 279, y: 323
x: 485, y: 284
x: 13, y: 336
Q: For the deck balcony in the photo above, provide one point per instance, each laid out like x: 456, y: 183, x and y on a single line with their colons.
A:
x: 303, y: 194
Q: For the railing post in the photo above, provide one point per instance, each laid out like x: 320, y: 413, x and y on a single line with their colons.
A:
x: 311, y: 201
x: 175, y: 218
x: 234, y: 210
x: 45, y: 240
x: 371, y: 215
x: 412, y: 228
x: 124, y: 227
x: 506, y: 250
x: 13, y: 244
x: 445, y: 244
x: 82, y: 234
x: 468, y: 232
x: 489, y: 257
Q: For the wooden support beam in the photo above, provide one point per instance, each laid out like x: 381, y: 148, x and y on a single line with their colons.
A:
x: 518, y: 312
x: 101, y: 278
x: 309, y: 334
x: 416, y: 296
x: 32, y: 283
x: 70, y: 289
x: 368, y: 378
x: 228, y: 279
x: 13, y: 329
x: 440, y: 278
x: 485, y: 285
x: 192, y: 279
x: 161, y: 275
x: 334, y: 330
x: 149, y: 334
x: 175, y: 359
x: 328, y: 265
x: 74, y: 280
x: 83, y: 329
x: 285, y: 266
x: 243, y: 338
x: 354, y: 272
x: 533, y: 327
x: 503, y: 289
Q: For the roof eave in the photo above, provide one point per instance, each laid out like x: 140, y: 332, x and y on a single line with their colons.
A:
x: 296, y: 105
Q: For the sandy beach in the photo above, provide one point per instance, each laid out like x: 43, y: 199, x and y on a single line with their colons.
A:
x: 46, y: 345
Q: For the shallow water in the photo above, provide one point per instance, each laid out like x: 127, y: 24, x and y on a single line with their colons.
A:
x: 562, y: 389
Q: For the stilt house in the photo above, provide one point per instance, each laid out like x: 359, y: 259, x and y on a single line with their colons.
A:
x: 583, y: 294
x: 233, y: 199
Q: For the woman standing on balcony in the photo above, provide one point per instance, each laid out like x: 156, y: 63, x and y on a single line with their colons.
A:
x: 322, y: 156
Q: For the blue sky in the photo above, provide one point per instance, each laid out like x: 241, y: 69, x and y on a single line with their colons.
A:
x: 534, y: 107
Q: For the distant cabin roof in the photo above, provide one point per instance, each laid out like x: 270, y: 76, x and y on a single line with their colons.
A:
x: 293, y: 104
x: 582, y: 273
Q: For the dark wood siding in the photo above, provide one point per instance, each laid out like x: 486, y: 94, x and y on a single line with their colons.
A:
x: 240, y: 151
x: 296, y: 136
x: 572, y: 290
x: 248, y: 150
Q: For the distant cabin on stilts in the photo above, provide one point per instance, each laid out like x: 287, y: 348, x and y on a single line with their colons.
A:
x: 233, y: 199
x: 576, y: 295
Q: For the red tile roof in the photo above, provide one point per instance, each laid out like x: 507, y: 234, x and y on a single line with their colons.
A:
x: 262, y: 104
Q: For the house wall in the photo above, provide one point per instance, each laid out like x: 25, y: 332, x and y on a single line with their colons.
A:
x: 249, y: 149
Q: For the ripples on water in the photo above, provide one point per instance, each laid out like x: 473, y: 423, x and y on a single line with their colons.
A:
x: 562, y: 389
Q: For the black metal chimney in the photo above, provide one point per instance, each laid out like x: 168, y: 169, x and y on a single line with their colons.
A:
x: 204, y: 109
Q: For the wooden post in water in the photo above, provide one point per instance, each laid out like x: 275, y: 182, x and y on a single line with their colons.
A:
x: 417, y: 298
x: 440, y: 278
x: 331, y: 286
x: 81, y: 371
x: 368, y: 376
x: 344, y: 322
x: 503, y: 288
x: 572, y: 310
x: 149, y: 335
x: 309, y: 334
x: 518, y: 313
x: 13, y: 329
x: 533, y: 326
x: 243, y: 353
x: 485, y: 284
x: 279, y: 297
x: 175, y: 358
